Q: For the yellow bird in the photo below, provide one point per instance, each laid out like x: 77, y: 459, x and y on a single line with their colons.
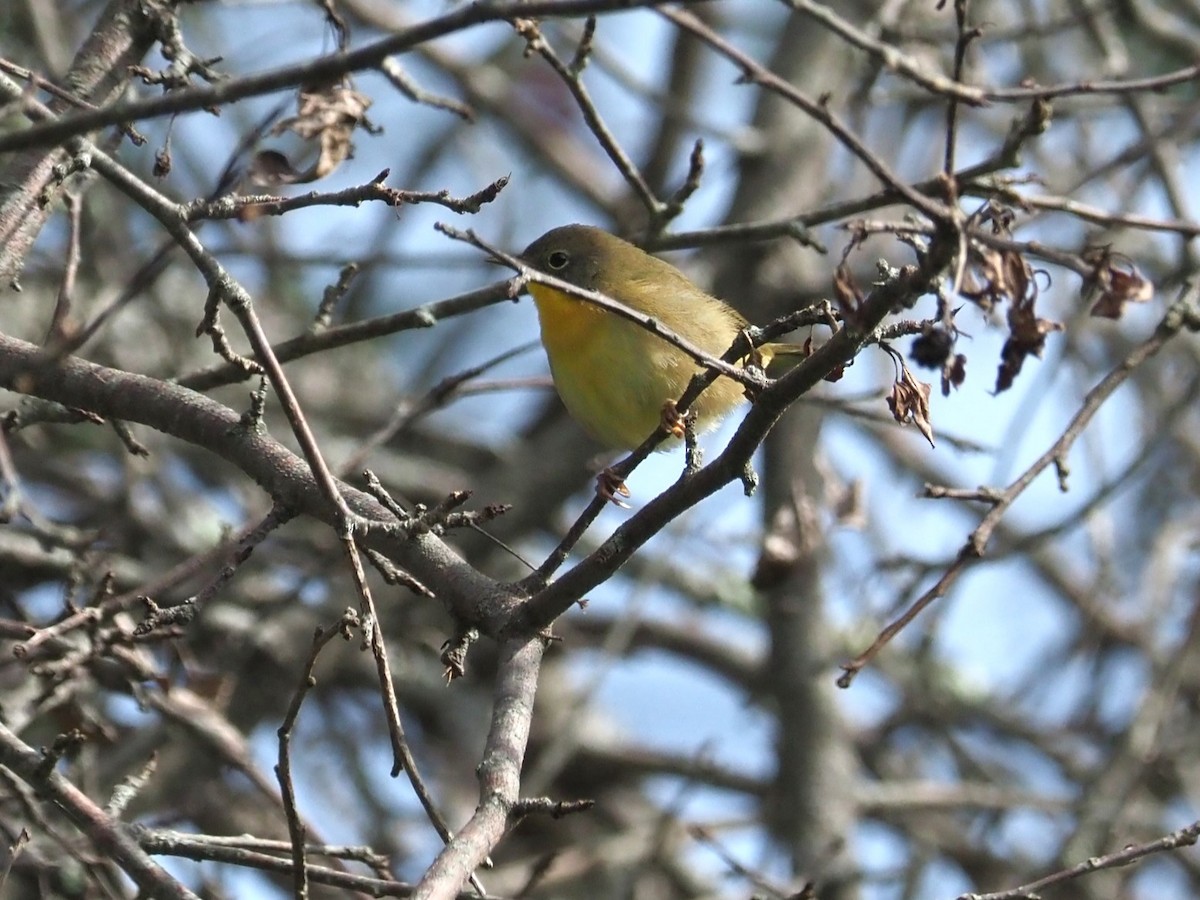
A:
x: 616, y: 378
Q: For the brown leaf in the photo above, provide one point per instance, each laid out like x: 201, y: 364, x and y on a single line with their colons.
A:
x: 997, y: 275
x: 837, y: 373
x: 954, y: 373
x: 328, y: 114
x: 993, y: 276
x: 847, y: 294
x: 162, y: 162
x: 1027, y: 336
x: 1018, y: 275
x: 1113, y: 287
x: 909, y: 402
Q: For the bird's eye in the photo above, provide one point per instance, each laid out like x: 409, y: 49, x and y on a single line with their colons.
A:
x: 558, y: 260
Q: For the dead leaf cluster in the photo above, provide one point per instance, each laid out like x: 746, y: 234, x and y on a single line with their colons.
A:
x: 994, y: 276
x: 1026, y: 337
x: 327, y: 114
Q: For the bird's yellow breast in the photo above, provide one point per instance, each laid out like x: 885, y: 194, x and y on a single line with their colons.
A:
x: 567, y: 323
x: 613, y: 375
x: 590, y: 353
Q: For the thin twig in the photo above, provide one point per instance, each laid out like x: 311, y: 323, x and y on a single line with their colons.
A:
x: 891, y: 57
x: 206, y: 848
x: 405, y: 84
x: 1183, y: 837
x: 410, y: 411
x: 424, y: 316
x: 232, y: 206
x: 348, y: 622
x: 60, y: 319
x: 962, y: 41
x: 570, y: 75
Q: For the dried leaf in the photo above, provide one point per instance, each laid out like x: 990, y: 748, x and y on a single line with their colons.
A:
x: 1027, y: 336
x: 846, y: 293
x: 994, y: 276
x: 1018, y: 276
x: 162, y: 161
x: 954, y: 373
x: 1115, y: 282
x: 997, y: 275
x: 909, y: 402
x: 837, y: 373
x: 328, y: 114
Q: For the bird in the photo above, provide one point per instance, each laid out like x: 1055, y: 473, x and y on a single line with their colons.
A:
x: 616, y: 378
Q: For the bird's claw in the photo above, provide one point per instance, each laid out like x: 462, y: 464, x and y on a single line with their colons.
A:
x: 673, y: 421
x: 608, y: 485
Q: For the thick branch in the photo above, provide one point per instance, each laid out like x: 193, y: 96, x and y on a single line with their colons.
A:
x: 499, y: 772
x: 195, y: 418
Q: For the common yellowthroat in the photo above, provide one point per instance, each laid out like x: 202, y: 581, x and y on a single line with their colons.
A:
x: 614, y: 376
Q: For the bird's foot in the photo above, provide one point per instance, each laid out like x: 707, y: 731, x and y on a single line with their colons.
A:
x: 673, y: 421
x: 609, y: 485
